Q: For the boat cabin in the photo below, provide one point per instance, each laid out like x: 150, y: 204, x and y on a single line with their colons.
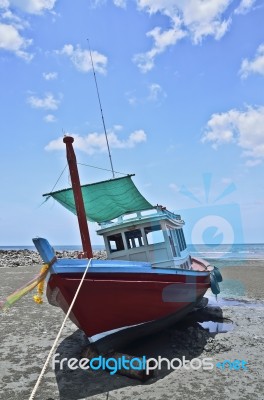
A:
x: 154, y: 236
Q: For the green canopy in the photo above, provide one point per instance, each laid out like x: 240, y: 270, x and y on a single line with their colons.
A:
x: 105, y: 200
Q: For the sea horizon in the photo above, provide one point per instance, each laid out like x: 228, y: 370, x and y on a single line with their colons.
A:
x: 245, y: 251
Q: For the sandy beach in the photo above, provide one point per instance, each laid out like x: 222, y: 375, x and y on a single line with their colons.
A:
x: 28, y: 330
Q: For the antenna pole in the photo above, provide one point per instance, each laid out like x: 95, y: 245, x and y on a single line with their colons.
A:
x: 102, y: 115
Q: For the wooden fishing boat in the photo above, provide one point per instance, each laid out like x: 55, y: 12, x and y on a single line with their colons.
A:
x: 149, y: 280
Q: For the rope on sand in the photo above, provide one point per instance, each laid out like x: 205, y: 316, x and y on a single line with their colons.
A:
x: 33, y: 393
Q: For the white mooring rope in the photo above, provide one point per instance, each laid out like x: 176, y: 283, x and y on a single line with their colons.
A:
x: 33, y: 393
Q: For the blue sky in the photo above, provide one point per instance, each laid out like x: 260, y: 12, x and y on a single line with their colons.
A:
x: 181, y: 85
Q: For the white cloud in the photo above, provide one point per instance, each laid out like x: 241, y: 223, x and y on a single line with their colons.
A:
x: 10, y: 36
x: 97, y: 3
x: 49, y: 118
x: 11, y: 40
x: 244, y: 6
x: 47, y: 103
x: 243, y: 128
x: 253, y: 163
x: 33, y: 6
x: 145, y: 61
x: 120, y: 3
x: 204, y: 18
x: 4, y: 3
x: 118, y: 127
x: 95, y: 142
x: 50, y: 75
x: 194, y: 18
x: 17, y: 22
x: 256, y: 66
x: 199, y: 17
x: 156, y: 92
x: 131, y: 97
x: 81, y: 58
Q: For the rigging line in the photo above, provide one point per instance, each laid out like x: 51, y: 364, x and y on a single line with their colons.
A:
x: 59, y: 178
x: 102, y: 115
x: 33, y: 393
x: 47, y: 198
x: 104, y: 169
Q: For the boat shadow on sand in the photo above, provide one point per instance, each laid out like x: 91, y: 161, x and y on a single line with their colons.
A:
x: 186, y: 338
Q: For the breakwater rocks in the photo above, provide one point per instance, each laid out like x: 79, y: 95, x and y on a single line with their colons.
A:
x: 20, y: 258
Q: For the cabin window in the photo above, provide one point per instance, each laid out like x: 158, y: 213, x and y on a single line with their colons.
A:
x: 173, y: 240
x: 129, y: 216
x: 115, y: 242
x: 172, y: 246
x: 154, y: 234
x: 181, y: 239
x: 134, y: 238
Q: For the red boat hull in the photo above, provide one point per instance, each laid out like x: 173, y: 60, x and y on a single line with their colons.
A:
x: 111, y: 301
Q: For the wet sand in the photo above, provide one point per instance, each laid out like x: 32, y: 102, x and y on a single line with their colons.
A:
x: 28, y: 330
x: 244, y: 280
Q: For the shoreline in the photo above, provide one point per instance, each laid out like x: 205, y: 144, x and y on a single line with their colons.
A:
x: 22, y: 257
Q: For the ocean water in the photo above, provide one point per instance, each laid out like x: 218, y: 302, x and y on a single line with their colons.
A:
x: 252, y: 251
x: 223, y: 251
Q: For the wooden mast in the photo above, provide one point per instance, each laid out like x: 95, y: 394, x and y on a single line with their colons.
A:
x: 76, y: 187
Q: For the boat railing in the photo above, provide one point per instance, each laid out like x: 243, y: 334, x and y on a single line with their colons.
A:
x: 142, y: 215
x: 172, y: 215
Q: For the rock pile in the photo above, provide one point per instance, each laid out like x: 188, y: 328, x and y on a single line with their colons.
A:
x: 19, y: 258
